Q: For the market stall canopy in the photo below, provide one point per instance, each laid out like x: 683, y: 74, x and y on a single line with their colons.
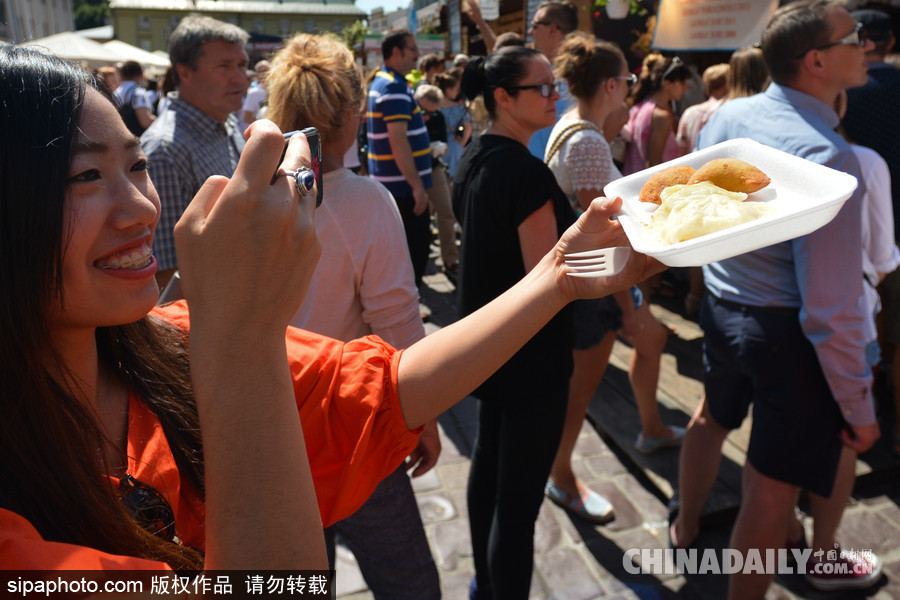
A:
x: 126, y: 51
x: 710, y: 24
x: 72, y: 46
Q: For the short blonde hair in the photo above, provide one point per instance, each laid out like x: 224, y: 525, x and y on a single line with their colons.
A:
x: 715, y: 77
x: 429, y: 92
x: 314, y: 81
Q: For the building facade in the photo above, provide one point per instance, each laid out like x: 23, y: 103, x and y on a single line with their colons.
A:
x: 24, y: 20
x: 148, y: 23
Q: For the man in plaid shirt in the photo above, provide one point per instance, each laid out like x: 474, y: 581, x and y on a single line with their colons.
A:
x: 198, y: 135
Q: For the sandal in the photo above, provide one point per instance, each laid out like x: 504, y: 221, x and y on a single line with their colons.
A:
x: 647, y: 445
x: 591, y: 507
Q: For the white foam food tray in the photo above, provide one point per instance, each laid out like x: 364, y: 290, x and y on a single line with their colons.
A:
x: 805, y: 194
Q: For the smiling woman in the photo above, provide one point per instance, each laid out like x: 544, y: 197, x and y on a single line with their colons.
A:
x: 87, y: 373
x: 108, y: 266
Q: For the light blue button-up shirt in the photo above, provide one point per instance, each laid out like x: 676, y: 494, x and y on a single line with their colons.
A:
x: 819, y: 273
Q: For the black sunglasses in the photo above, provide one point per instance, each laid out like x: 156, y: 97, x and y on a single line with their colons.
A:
x: 545, y: 89
x: 536, y: 24
x: 148, y: 507
x: 858, y: 37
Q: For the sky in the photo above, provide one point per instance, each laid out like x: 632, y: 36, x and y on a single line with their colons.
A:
x: 388, y: 5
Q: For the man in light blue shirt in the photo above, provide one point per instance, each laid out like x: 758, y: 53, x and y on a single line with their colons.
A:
x: 783, y: 324
x: 552, y: 22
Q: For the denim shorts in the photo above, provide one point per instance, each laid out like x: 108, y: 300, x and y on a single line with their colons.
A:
x: 760, y: 357
x: 595, y: 318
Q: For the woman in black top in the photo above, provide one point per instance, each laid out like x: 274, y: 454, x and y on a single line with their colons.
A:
x: 512, y: 212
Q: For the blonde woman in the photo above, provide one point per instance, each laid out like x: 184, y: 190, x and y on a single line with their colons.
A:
x: 364, y: 285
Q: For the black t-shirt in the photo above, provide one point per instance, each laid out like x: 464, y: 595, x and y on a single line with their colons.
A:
x: 436, y: 125
x: 498, y: 185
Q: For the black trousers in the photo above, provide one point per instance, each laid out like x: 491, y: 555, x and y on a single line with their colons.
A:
x: 418, y: 234
x: 514, y: 449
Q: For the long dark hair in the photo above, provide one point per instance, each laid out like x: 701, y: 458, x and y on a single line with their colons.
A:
x: 504, y: 68
x: 52, y: 462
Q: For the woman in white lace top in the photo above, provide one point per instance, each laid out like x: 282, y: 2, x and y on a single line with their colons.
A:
x: 579, y: 156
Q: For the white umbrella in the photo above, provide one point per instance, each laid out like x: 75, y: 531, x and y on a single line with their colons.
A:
x: 75, y: 47
x: 126, y: 51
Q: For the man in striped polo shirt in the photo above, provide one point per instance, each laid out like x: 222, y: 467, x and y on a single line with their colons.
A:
x: 399, y: 154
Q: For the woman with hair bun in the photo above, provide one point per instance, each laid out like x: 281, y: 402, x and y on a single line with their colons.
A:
x: 363, y: 286
x: 580, y: 158
x: 652, y: 124
x: 511, y: 211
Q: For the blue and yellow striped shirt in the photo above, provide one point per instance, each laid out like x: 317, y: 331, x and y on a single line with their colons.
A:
x: 390, y: 100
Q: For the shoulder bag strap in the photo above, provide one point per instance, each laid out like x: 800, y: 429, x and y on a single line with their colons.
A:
x: 566, y: 133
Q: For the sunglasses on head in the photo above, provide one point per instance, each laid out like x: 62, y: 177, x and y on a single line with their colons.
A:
x: 676, y: 62
x: 858, y: 37
x: 148, y: 507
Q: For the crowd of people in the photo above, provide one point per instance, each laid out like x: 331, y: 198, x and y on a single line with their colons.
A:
x: 511, y: 152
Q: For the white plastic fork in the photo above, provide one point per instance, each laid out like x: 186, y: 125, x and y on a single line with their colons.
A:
x: 604, y: 262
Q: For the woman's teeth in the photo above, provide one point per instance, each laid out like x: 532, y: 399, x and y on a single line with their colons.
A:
x: 132, y: 259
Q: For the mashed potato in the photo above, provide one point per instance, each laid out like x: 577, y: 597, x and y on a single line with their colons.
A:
x: 689, y: 211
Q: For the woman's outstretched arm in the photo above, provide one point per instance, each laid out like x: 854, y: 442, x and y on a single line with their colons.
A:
x: 449, y: 364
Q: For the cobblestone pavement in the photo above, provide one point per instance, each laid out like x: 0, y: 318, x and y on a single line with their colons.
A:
x: 578, y: 561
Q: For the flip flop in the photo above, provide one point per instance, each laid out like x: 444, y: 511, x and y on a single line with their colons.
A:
x: 591, y: 506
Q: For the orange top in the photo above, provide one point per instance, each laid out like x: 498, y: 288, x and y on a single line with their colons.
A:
x: 352, y: 423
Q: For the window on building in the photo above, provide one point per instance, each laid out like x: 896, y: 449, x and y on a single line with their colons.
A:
x: 146, y: 45
x: 284, y: 27
x: 310, y: 26
x: 258, y: 25
x: 143, y: 23
x: 338, y: 26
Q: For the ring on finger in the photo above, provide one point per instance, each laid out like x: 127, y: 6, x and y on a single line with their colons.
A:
x: 304, y: 180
